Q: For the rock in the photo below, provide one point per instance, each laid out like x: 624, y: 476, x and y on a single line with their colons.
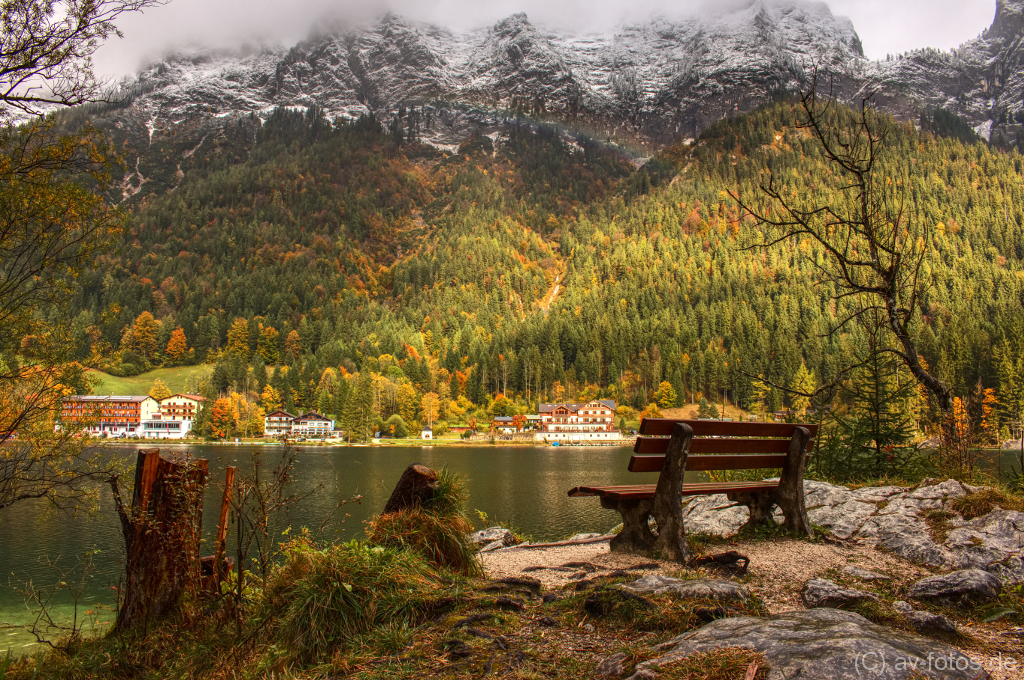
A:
x: 902, y: 607
x: 613, y: 666
x: 842, y: 520
x: 491, y: 547
x: 864, y: 574
x: 875, y: 494
x: 416, y: 486
x: 926, y: 622
x: 947, y: 489
x: 818, y: 494
x: 819, y: 592
x: 917, y: 549
x: 823, y: 644
x: 700, y: 588
x: 547, y: 621
x: 706, y: 515
x: 492, y: 534
x: 584, y: 537
x: 990, y: 542
x: 903, y: 505
x: 968, y: 586
x: 550, y: 597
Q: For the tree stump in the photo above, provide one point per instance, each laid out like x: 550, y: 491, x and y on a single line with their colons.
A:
x: 417, y: 485
x: 161, y: 532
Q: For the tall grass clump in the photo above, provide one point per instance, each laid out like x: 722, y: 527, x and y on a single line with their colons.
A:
x: 438, y: 529
x: 324, y: 600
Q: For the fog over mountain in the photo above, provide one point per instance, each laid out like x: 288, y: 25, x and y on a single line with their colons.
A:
x: 648, y: 82
x: 885, y: 26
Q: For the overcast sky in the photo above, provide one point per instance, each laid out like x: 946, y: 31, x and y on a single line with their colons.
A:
x: 885, y: 26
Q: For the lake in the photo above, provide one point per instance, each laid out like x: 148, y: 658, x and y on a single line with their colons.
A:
x: 522, y: 487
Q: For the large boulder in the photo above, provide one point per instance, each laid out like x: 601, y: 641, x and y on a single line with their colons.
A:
x: 842, y: 520
x: 823, y: 644
x: 968, y: 586
x: 819, y: 592
x: 699, y: 588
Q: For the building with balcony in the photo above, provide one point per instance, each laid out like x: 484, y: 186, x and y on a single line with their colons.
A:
x: 110, y: 416
x: 594, y: 420
x: 312, y: 425
x: 278, y: 424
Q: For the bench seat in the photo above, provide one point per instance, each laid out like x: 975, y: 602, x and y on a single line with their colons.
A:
x: 673, y: 447
x: 641, y: 491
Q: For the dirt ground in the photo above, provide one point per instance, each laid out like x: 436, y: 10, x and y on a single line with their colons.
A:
x: 777, y: 572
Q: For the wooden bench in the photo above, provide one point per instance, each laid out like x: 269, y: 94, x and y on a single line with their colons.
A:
x: 674, y: 447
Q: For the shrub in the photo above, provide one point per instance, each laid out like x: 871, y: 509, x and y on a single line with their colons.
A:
x: 438, y: 531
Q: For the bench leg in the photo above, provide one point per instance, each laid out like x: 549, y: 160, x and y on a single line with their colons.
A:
x: 760, y: 504
x: 790, y: 493
x: 636, y: 536
x: 668, y: 499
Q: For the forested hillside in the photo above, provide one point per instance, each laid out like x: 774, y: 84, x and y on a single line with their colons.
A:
x: 356, y: 270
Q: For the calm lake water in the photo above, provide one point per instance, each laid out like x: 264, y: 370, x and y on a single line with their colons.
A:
x: 524, y: 487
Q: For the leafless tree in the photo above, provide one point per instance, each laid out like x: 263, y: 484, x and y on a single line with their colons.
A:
x: 46, y: 49
x: 869, y: 234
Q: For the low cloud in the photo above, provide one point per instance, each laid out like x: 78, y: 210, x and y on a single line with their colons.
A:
x: 885, y: 26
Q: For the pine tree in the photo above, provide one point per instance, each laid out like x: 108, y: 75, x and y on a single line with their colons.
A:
x: 268, y: 345
x: 238, y: 338
x: 706, y: 411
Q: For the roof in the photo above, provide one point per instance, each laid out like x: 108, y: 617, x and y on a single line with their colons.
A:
x: 193, y: 397
x: 312, y: 415
x: 280, y: 413
x: 111, y: 397
x: 548, y: 408
x: 503, y: 419
x: 426, y: 429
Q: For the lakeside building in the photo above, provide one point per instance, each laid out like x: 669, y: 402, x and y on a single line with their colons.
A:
x: 426, y: 433
x: 312, y: 425
x: 110, y: 416
x: 503, y: 425
x: 278, y: 424
x: 593, y: 420
x: 175, y: 418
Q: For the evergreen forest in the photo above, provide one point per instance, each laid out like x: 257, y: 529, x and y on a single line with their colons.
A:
x: 347, y: 268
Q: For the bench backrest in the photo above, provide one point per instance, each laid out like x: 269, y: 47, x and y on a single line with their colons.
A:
x: 751, y: 445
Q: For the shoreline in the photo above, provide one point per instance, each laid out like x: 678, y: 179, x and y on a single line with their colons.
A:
x: 378, y: 443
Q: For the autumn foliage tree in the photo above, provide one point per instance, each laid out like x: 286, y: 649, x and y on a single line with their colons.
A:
x: 177, y: 347
x: 221, y: 418
x: 159, y: 390
x: 54, y: 220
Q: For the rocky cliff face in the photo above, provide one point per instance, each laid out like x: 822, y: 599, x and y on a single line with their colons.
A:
x: 653, y: 81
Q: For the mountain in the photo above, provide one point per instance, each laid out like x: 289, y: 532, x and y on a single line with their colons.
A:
x: 647, y: 83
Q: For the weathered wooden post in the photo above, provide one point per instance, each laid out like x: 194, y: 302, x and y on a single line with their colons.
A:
x: 161, y: 532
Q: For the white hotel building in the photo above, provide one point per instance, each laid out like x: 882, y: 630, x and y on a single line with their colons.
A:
x: 594, y: 420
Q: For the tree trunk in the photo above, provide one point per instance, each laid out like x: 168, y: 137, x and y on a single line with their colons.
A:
x: 161, y: 534
x: 416, y: 486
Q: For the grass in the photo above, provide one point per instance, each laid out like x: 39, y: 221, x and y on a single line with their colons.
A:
x: 438, y: 531
x: 985, y: 501
x: 175, y: 379
x: 727, y: 663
